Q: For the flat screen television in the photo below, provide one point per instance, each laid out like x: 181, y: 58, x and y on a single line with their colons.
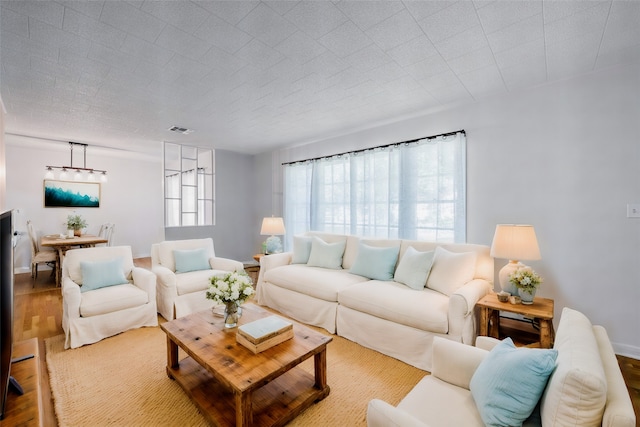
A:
x: 6, y: 305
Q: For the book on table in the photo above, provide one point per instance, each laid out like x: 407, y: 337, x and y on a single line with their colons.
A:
x: 264, y: 333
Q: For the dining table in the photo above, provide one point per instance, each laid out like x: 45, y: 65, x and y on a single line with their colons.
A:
x: 62, y: 243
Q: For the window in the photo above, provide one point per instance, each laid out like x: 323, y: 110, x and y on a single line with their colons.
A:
x: 188, y: 186
x: 410, y: 190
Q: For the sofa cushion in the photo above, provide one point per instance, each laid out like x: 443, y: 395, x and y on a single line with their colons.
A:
x: 375, y: 263
x: 413, y: 268
x: 451, y: 270
x: 426, y: 309
x: 509, y: 383
x: 301, y: 249
x: 191, y: 260
x: 111, y: 299
x: 317, y: 282
x: 577, y: 390
x: 326, y: 255
x: 101, y: 274
x: 194, y: 281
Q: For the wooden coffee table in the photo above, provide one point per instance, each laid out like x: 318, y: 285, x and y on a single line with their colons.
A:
x: 233, y: 386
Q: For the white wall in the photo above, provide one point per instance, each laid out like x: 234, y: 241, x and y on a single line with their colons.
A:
x: 564, y: 157
x: 132, y: 199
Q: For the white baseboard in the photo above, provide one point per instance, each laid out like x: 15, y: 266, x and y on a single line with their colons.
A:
x: 20, y: 270
x: 626, y: 350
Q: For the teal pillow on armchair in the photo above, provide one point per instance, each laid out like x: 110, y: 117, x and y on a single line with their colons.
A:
x: 509, y: 382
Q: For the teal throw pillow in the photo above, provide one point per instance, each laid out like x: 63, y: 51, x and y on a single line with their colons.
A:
x: 301, y: 249
x: 376, y: 263
x: 413, y: 268
x: 100, y: 274
x: 191, y: 260
x: 509, y: 382
x: 327, y: 255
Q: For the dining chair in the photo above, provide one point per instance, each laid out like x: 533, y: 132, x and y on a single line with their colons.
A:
x: 106, y: 231
x: 38, y: 255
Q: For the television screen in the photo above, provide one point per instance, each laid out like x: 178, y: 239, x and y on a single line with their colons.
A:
x: 6, y: 305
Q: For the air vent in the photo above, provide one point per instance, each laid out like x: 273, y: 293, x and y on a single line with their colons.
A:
x: 181, y: 130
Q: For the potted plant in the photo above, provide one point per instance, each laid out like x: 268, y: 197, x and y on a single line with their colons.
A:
x: 76, y: 223
x: 526, y: 281
x: 231, y: 289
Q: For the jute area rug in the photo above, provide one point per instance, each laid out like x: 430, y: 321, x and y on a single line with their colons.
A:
x: 121, y: 381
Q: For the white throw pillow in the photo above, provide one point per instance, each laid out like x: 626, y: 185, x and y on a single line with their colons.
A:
x: 413, y: 268
x: 451, y: 270
x: 327, y: 255
x: 301, y: 249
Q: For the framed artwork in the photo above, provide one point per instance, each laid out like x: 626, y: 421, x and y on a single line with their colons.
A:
x: 71, y: 194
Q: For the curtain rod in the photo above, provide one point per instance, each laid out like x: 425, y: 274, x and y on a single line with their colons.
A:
x: 462, y: 131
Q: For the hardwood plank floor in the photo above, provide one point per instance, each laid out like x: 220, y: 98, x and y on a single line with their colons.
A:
x: 38, y: 313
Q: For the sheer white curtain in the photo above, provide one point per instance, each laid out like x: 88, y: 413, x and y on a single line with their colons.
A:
x: 410, y: 191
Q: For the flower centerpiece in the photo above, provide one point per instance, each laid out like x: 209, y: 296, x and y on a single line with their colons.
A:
x: 526, y: 281
x: 76, y: 223
x: 232, y: 290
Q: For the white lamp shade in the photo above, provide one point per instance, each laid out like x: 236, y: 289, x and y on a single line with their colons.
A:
x: 272, y: 226
x: 515, y: 242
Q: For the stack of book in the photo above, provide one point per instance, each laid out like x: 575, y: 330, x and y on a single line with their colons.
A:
x: 264, y: 333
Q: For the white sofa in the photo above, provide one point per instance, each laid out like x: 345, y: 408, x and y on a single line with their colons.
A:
x: 585, y: 389
x: 384, y: 315
x: 92, y: 315
x: 182, y: 293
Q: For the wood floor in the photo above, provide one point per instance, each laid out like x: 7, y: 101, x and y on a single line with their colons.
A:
x: 38, y: 313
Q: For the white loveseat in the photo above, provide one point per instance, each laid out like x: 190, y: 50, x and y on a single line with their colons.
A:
x: 384, y: 315
x: 182, y: 293
x: 123, y: 296
x: 586, y: 387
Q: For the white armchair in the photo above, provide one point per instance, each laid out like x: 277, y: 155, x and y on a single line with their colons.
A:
x: 96, y: 304
x: 181, y: 293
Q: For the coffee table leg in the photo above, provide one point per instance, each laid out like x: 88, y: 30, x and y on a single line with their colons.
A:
x: 172, y: 355
x: 320, y: 367
x: 244, y: 410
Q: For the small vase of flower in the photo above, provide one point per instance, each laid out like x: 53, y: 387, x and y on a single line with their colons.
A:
x: 76, y: 223
x: 232, y: 290
x: 526, y: 281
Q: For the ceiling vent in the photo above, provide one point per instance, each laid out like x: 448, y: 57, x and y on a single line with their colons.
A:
x: 181, y: 130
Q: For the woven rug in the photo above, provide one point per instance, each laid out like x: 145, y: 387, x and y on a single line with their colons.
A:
x: 122, y: 381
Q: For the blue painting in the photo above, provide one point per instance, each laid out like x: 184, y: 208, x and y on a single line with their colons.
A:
x: 59, y: 194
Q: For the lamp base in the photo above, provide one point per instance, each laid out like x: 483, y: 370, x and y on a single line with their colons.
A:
x: 505, y: 272
x: 273, y: 245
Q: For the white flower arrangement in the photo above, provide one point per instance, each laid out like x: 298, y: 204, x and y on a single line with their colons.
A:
x: 232, y: 287
x: 526, y: 279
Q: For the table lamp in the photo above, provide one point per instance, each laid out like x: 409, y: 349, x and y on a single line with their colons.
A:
x: 273, y: 227
x: 514, y: 242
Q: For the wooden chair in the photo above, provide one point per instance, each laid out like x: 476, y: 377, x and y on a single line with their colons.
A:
x: 39, y: 256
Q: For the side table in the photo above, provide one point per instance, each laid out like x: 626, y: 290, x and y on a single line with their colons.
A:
x: 253, y: 270
x: 541, y: 310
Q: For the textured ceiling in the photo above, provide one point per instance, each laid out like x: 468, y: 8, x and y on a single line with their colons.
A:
x: 250, y: 76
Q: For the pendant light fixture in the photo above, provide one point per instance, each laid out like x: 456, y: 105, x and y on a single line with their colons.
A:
x: 79, y: 173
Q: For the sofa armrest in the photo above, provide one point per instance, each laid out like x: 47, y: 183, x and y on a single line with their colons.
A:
x: 145, y: 280
x: 381, y: 414
x: 71, y: 298
x: 619, y: 410
x: 454, y: 362
x: 462, y: 303
x: 166, y: 277
x: 225, y: 264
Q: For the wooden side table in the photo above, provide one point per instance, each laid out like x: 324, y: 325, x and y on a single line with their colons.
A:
x: 541, y: 310
x: 253, y: 270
